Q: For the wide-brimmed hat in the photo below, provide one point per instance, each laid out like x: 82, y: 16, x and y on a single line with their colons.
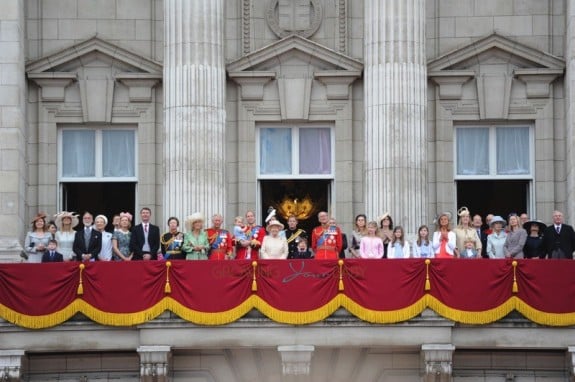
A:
x: 463, y: 211
x: 497, y: 219
x: 444, y: 213
x: 40, y: 215
x: 527, y: 225
x: 65, y: 214
x: 103, y: 217
x: 195, y: 217
x: 276, y: 223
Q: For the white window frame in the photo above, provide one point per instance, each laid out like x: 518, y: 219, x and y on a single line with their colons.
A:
x: 295, y: 129
x: 493, y: 153
x: 98, y: 177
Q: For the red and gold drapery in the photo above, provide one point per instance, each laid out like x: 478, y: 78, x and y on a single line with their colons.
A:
x: 288, y: 291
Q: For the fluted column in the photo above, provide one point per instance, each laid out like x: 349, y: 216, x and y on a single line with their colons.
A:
x: 194, y: 109
x: 569, y: 109
x: 395, y: 79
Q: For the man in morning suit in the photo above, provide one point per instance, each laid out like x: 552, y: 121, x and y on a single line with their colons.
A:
x: 558, y: 239
x: 88, y: 241
x: 145, y: 239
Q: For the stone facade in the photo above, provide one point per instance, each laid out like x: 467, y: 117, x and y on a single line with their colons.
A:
x: 133, y: 64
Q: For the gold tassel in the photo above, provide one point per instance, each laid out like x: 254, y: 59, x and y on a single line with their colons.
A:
x: 81, y: 286
x: 515, y: 287
x: 340, y: 263
x: 427, y: 282
x: 168, y: 288
x: 254, y: 282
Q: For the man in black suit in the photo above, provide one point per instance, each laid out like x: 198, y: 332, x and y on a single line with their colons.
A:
x: 51, y: 255
x: 87, y: 241
x: 477, y: 223
x: 145, y: 239
x: 559, y: 239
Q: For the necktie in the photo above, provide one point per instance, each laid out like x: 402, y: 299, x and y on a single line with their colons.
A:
x: 558, y: 228
x: 145, y: 228
x: 87, y: 237
x: 51, y: 255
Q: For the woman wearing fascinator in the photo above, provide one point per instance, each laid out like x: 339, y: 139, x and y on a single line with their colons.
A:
x: 465, y: 232
x: 121, y: 239
x: 37, y: 239
x: 66, y: 221
x: 444, y: 241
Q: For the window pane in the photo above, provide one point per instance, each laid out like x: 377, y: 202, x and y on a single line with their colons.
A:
x: 78, y: 153
x: 472, y: 151
x: 314, y: 151
x: 512, y: 150
x: 275, y: 151
x: 118, y: 153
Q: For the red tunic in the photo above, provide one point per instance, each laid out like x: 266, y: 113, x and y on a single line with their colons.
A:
x: 326, y: 243
x: 256, y: 235
x: 221, y: 244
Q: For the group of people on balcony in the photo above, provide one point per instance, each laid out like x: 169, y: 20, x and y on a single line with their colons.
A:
x: 516, y: 237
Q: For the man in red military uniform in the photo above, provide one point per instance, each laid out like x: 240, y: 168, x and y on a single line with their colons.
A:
x: 220, y: 240
x: 325, y: 239
x: 249, y: 248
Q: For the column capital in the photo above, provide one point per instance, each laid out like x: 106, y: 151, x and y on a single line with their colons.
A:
x: 296, y: 359
x: 154, y: 363
x: 11, y: 364
x: 438, y: 362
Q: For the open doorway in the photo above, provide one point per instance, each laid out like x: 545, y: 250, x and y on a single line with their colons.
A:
x: 303, y: 198
x: 106, y: 198
x: 498, y: 197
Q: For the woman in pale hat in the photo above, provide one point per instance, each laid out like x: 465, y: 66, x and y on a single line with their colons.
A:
x: 496, y: 240
x: 465, y: 232
x: 66, y: 221
x: 100, y: 223
x: 196, y: 243
x: 171, y: 242
x: 274, y: 246
x: 37, y: 239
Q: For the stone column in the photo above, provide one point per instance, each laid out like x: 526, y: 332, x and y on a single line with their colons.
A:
x: 438, y: 362
x: 11, y: 365
x: 571, y: 362
x: 570, y: 109
x: 296, y: 359
x: 154, y: 363
x: 395, y: 80
x: 13, y: 190
x: 194, y: 109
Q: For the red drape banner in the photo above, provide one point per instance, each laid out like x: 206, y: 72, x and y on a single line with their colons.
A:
x: 288, y: 291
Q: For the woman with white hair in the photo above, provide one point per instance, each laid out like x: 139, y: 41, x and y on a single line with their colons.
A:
x: 196, y: 243
x: 274, y: 246
x: 100, y: 223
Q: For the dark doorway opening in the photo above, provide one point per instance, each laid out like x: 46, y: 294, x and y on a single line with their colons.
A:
x: 303, y: 198
x: 99, y: 198
x: 498, y: 197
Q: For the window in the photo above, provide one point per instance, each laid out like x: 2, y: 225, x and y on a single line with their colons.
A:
x: 295, y: 152
x: 494, y: 152
x: 97, y: 154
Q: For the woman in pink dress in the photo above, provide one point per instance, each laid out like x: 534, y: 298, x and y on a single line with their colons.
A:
x: 371, y: 245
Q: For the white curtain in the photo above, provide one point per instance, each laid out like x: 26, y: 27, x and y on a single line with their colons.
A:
x: 473, y: 151
x: 78, y: 153
x: 314, y: 151
x: 512, y: 150
x: 275, y: 151
x: 118, y: 153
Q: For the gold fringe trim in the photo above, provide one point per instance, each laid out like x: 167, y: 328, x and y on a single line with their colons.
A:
x: 204, y: 318
x: 254, y: 282
x: 122, y: 319
x: 298, y: 318
x: 340, y: 263
x: 427, y: 282
x: 471, y: 317
x: 80, y: 290
x: 384, y: 317
x: 515, y: 288
x: 168, y: 288
x: 39, y: 322
x: 544, y: 318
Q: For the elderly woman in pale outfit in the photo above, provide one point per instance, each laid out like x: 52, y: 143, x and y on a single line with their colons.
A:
x: 37, y: 239
x: 516, y: 238
x: 66, y: 221
x: 100, y: 223
x: 196, y: 244
x: 496, y: 240
x: 274, y: 246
